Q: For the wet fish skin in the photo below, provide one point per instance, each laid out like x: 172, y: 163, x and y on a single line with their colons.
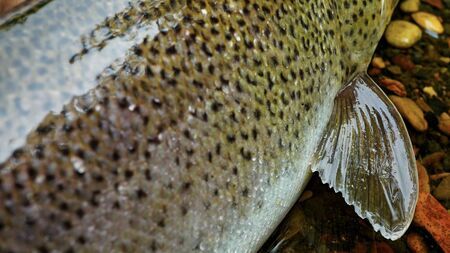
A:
x: 199, y: 142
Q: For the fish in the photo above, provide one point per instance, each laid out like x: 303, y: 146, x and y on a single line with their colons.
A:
x: 192, y: 126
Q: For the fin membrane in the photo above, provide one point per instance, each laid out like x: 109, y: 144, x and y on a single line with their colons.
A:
x: 366, y: 154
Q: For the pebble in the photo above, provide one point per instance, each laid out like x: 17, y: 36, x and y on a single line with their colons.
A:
x: 416, y: 243
x: 394, y: 69
x: 404, y: 61
x: 423, y: 105
x: 442, y: 191
x: 410, y: 5
x: 381, y: 247
x: 444, y: 59
x: 428, y: 21
x: 429, y: 90
x: 402, y: 34
x: 432, y: 159
x: 378, y: 62
x: 411, y: 112
x: 305, y: 196
x: 374, y: 71
x: 444, y: 123
x: 424, y: 179
x: 435, y: 3
x: 393, y: 85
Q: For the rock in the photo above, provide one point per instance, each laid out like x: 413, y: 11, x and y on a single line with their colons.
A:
x: 411, y: 112
x: 374, y: 71
x: 442, y: 191
x: 381, y: 247
x: 435, y: 3
x: 6, y: 6
x: 410, y: 5
x: 359, y: 248
x: 432, y: 159
x: 402, y: 34
x: 416, y: 243
x: 424, y: 179
x: 445, y: 60
x: 393, y: 85
x: 433, y: 217
x: 444, y: 123
x: 404, y: 61
x: 439, y: 176
x: 423, y: 105
x: 429, y: 90
x: 305, y: 196
x: 428, y: 21
x: 378, y: 62
x: 394, y: 69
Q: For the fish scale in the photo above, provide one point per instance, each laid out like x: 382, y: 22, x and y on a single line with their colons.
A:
x: 199, y: 140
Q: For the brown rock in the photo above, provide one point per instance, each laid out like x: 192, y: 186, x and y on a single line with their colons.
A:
x: 381, y: 247
x: 393, y: 85
x: 374, y: 71
x: 444, y: 123
x: 359, y: 248
x: 442, y: 191
x: 411, y: 112
x: 423, y: 105
x: 439, y: 175
x: 433, y: 158
x: 424, y: 180
x: 435, y: 3
x: 8, y: 5
x: 305, y: 196
x: 404, y: 61
x: 416, y: 243
x: 433, y: 217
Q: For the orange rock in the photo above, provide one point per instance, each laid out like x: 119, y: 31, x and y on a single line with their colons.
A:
x: 416, y: 243
x: 424, y: 180
x: 381, y: 247
x: 359, y: 248
x: 404, y: 61
x: 433, y: 158
x: 416, y: 150
x: 374, y: 71
x: 305, y: 196
x: 7, y: 5
x: 423, y: 105
x: 433, y: 217
x: 444, y: 123
x: 393, y: 85
x: 439, y: 176
x: 435, y: 3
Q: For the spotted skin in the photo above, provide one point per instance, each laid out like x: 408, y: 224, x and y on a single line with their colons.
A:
x: 198, y: 141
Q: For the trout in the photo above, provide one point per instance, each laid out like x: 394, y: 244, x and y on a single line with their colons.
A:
x: 192, y: 126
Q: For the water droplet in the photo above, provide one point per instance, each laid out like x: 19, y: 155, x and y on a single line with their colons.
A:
x: 78, y: 165
x: 84, y: 102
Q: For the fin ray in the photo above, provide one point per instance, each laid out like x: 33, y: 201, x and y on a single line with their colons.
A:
x: 366, y: 154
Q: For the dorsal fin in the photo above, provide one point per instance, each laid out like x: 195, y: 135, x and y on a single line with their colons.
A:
x: 366, y: 154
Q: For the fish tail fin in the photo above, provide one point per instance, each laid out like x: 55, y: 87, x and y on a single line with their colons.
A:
x: 366, y: 154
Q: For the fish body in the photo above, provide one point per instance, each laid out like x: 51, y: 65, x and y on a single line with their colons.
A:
x: 199, y: 138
